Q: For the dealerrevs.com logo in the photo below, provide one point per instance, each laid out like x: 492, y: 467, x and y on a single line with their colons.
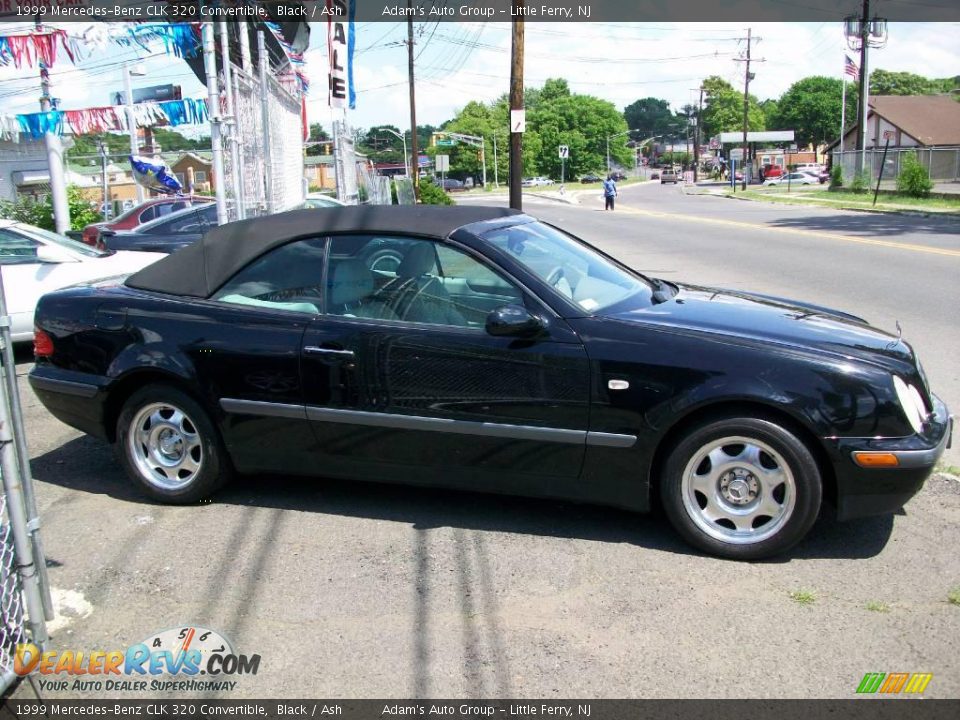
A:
x: 180, y: 659
x: 894, y: 683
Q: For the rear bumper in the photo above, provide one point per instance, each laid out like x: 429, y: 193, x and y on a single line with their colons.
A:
x: 862, y: 492
x: 75, y: 398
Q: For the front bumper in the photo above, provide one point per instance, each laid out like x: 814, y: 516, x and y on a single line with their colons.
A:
x: 863, y: 491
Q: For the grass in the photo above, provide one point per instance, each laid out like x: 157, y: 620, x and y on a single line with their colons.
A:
x: 804, y: 195
x: 803, y: 597
x: 953, y: 596
x: 949, y: 469
x: 877, y: 606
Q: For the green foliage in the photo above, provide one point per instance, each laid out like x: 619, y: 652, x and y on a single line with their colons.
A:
x: 40, y: 213
x: 803, y: 597
x: 430, y: 194
x: 836, y: 177
x: 119, y: 144
x: 317, y: 134
x: 913, y: 180
x: 861, y: 183
x: 652, y: 116
x: 723, y: 109
x: 811, y: 108
x: 953, y: 595
x: 885, y: 82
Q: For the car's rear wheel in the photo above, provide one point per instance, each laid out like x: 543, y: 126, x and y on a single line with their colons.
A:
x: 169, y: 446
x: 741, y: 488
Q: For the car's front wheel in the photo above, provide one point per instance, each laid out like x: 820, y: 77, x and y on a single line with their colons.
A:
x: 169, y: 446
x: 741, y: 488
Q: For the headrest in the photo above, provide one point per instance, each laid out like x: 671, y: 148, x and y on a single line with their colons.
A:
x: 351, y: 281
x: 420, y: 259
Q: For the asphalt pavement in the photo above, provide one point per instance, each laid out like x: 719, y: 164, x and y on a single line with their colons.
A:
x: 362, y: 590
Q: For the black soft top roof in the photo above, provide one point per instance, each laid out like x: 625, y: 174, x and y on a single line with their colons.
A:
x: 199, y: 269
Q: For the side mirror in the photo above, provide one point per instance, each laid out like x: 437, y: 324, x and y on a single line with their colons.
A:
x: 514, y: 321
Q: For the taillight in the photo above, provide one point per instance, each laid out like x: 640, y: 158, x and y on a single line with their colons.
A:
x: 90, y: 236
x: 42, y: 343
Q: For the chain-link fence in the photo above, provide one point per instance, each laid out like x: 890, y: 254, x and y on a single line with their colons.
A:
x: 267, y: 132
x: 943, y: 164
x: 24, y: 592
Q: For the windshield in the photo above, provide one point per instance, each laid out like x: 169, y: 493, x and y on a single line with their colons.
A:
x: 576, y: 271
x: 72, y: 245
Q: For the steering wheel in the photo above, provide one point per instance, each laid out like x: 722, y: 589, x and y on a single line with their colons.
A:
x: 554, y: 276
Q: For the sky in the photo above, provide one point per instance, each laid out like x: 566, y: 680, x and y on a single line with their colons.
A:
x: 460, y: 62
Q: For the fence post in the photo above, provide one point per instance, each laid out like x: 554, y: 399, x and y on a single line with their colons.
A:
x: 265, y: 115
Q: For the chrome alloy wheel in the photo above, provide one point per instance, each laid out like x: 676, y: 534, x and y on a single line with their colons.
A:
x: 165, y: 446
x: 738, y: 490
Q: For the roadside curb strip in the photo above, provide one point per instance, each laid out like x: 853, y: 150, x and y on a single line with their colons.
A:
x: 565, y: 200
x: 907, y: 213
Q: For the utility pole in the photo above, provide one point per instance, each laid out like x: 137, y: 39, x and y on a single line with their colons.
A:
x: 696, y: 138
x: 213, y: 110
x: 863, y: 33
x: 414, y: 150
x: 746, y: 111
x: 103, y: 179
x: 131, y: 124
x: 58, y: 182
x: 516, y: 103
x: 496, y: 178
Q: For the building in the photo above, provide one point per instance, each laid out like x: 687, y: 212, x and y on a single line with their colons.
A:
x: 319, y: 172
x: 927, y: 121
x: 194, y: 171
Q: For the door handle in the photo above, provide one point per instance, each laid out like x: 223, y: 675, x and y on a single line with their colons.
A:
x: 314, y: 350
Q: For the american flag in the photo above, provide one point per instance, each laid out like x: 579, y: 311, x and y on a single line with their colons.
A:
x: 850, y: 68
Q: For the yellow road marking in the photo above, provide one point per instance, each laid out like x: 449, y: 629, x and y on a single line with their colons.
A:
x: 795, y: 231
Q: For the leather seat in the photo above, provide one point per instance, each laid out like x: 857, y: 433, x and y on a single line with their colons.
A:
x: 351, y: 292
x: 417, y: 295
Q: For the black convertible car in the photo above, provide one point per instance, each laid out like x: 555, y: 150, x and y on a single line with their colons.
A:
x: 499, y: 354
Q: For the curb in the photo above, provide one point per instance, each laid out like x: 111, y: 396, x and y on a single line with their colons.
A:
x: 949, y: 215
x: 562, y: 199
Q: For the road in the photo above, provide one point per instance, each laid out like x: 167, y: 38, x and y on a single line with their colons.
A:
x: 359, y: 590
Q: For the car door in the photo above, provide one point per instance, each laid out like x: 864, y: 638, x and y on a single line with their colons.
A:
x: 402, y: 380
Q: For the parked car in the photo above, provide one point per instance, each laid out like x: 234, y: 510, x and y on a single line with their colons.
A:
x: 796, y: 178
x: 320, y: 200
x: 655, y: 176
x: 502, y: 355
x: 618, y: 176
x: 35, y: 261
x: 591, y: 178
x: 167, y: 234
x: 536, y: 182
x: 452, y: 184
x: 146, y: 211
x: 772, y: 171
x: 668, y: 175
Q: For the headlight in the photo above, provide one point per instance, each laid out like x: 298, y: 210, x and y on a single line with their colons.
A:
x: 911, y: 402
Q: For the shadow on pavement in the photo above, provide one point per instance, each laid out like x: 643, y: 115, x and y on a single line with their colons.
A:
x: 872, y: 224
x: 86, y: 464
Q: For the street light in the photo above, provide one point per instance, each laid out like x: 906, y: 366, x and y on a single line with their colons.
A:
x: 128, y: 72
x: 403, y: 137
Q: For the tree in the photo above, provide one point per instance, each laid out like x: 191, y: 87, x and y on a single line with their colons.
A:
x: 723, y: 109
x: 886, y: 82
x: 811, y: 108
x: 651, y: 115
x: 318, y: 134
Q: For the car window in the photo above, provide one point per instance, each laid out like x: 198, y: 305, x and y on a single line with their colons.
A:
x: 61, y: 241
x: 571, y: 268
x: 288, y: 278
x: 148, y: 214
x: 16, y: 249
x: 423, y: 282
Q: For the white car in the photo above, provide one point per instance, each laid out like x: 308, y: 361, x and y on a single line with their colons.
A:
x: 798, y: 178
x: 536, y: 182
x: 34, y: 261
x: 319, y: 200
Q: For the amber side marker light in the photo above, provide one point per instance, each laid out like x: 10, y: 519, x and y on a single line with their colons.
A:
x: 875, y: 459
x: 42, y: 343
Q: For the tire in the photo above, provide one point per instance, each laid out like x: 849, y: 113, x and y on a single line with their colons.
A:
x: 741, y: 488
x: 169, y: 446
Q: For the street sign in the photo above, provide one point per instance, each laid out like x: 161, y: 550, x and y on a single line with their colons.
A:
x: 441, y: 162
x: 564, y: 152
x: 889, y: 134
x: 446, y: 142
x: 518, y: 120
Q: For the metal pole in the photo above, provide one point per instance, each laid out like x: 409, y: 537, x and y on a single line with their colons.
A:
x: 241, y: 191
x: 864, y: 85
x: 131, y: 124
x: 696, y: 139
x: 496, y: 179
x: 746, y: 110
x: 58, y: 182
x: 23, y: 454
x: 244, y: 33
x: 213, y: 110
x: 414, y: 141
x: 406, y: 158
x: 231, y: 118
x: 843, y: 109
x: 516, y: 103
x: 883, y: 163
x: 103, y: 181
x: 608, y: 154
x: 265, y: 118
x: 483, y: 159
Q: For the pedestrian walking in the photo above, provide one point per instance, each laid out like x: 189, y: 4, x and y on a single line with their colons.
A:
x: 609, y: 192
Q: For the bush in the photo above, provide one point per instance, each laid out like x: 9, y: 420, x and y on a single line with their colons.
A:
x: 40, y: 212
x: 430, y: 194
x: 836, y: 177
x: 913, y: 180
x: 861, y: 183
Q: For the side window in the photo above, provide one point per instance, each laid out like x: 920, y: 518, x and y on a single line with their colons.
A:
x: 148, y: 214
x: 288, y: 278
x: 395, y: 278
x: 190, y: 222
x: 17, y: 250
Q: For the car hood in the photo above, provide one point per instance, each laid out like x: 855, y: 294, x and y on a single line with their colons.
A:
x: 765, y: 319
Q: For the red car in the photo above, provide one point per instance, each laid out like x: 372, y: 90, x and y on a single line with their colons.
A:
x: 771, y: 171
x: 148, y: 210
